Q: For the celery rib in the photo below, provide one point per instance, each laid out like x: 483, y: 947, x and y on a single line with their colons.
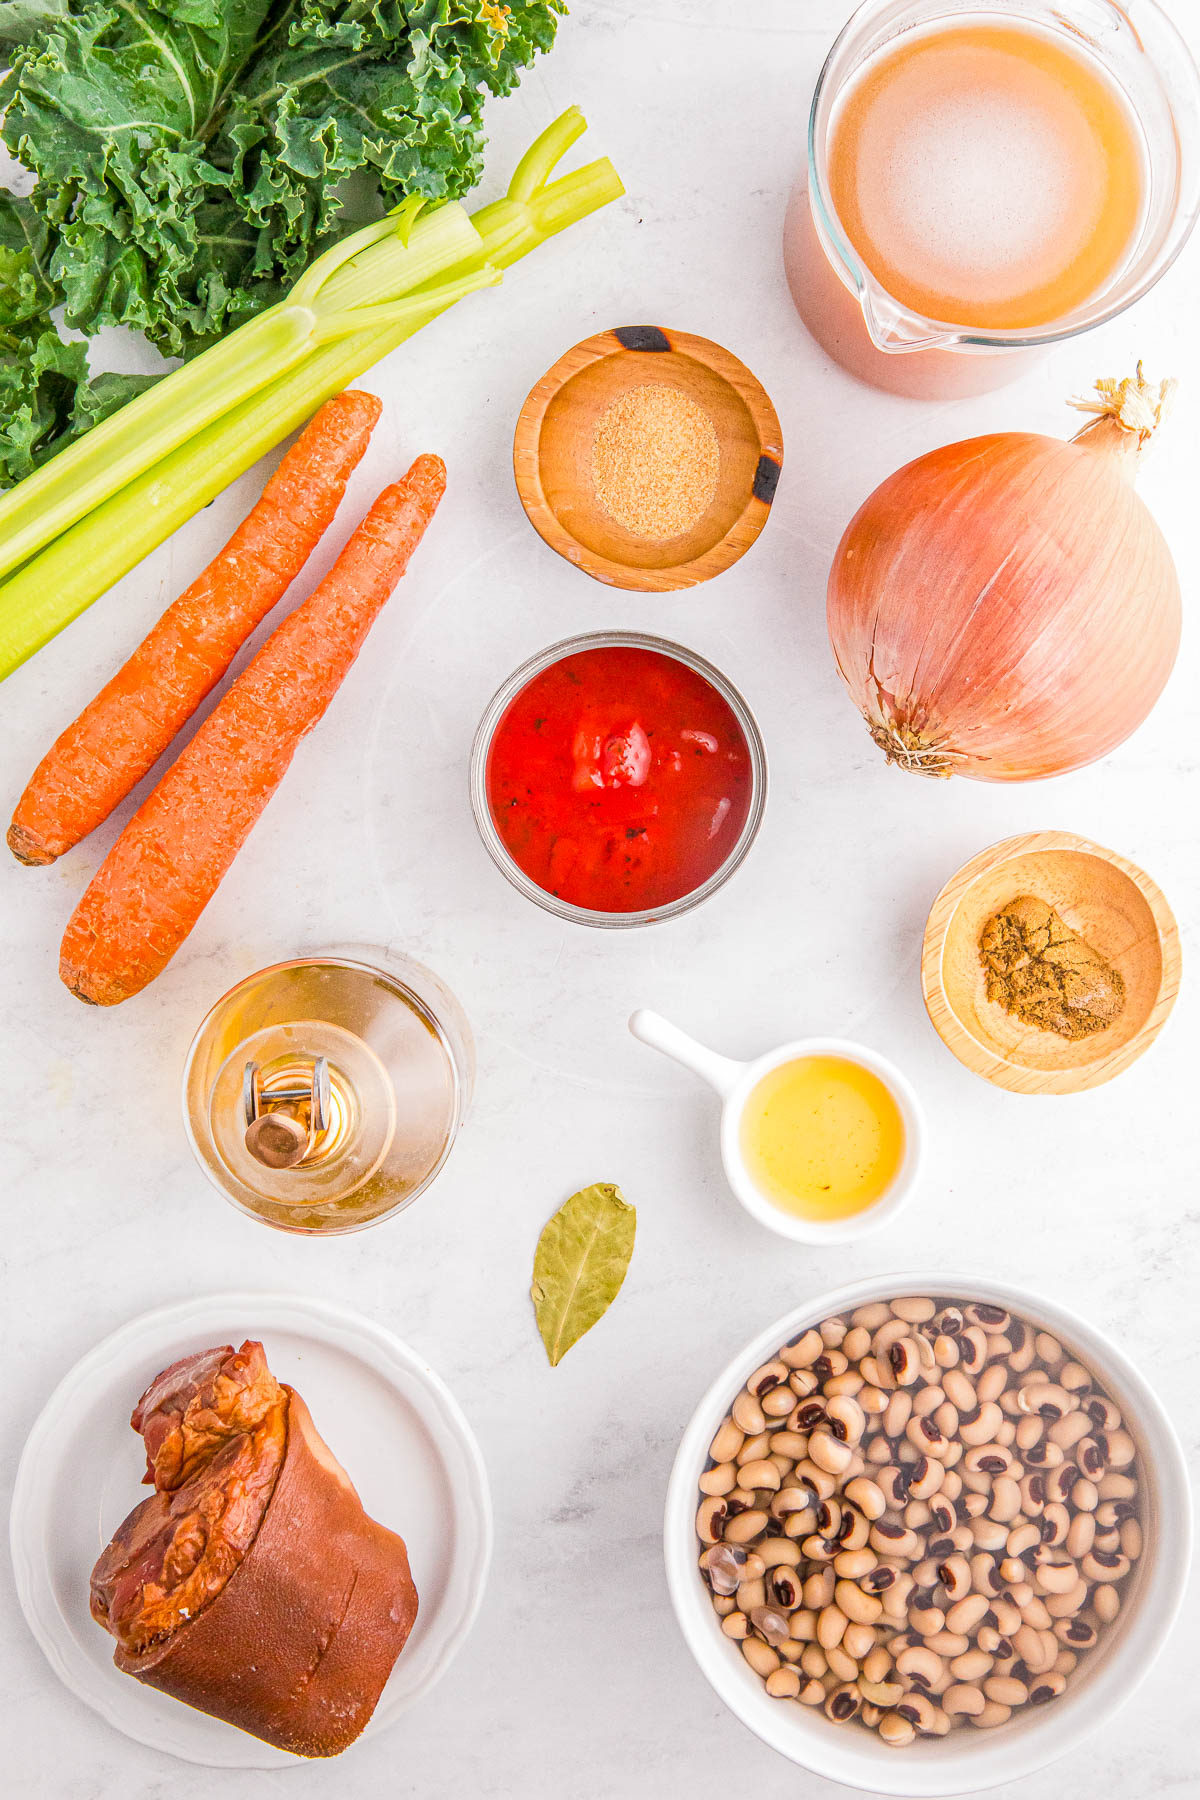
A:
x: 451, y: 254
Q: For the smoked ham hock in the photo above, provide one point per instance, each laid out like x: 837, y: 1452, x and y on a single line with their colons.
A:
x: 251, y: 1584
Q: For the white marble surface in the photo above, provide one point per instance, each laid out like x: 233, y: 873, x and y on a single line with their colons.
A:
x: 576, y: 1681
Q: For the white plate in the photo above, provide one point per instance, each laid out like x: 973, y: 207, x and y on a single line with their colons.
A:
x: 406, y: 1445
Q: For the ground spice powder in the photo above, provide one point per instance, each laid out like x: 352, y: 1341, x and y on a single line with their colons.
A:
x: 1038, y: 969
x: 655, y: 458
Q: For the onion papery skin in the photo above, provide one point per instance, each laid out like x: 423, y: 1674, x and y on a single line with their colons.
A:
x: 1006, y: 608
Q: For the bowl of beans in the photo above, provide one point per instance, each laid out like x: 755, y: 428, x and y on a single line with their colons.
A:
x: 924, y: 1537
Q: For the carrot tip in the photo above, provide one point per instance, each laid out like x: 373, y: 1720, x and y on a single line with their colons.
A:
x: 28, y: 849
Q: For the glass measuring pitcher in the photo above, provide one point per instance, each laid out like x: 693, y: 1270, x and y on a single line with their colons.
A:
x: 891, y: 345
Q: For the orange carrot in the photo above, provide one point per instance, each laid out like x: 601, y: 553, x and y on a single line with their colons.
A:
x: 170, y: 859
x: 101, y: 757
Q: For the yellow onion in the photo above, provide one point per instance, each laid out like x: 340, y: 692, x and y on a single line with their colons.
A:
x: 1007, y: 608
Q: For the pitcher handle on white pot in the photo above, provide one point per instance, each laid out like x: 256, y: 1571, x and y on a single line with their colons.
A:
x: 720, y: 1072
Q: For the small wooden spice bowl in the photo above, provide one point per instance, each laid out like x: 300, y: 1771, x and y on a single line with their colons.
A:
x: 552, y: 456
x: 1109, y: 902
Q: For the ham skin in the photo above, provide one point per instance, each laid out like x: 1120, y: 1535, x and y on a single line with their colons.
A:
x: 296, y: 1644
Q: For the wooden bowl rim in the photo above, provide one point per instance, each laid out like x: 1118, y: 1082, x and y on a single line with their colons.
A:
x: 1005, y: 1071
x: 545, y: 521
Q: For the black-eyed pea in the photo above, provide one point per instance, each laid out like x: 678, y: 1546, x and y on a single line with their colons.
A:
x: 955, y: 1576
x: 811, y: 1694
x: 1106, y: 1604
x: 1103, y: 1412
x: 841, y: 1664
x: 1066, y: 1663
x: 851, y: 1565
x: 803, y: 1383
x: 748, y: 1415
x: 829, y: 1453
x: 962, y: 1700
x: 832, y: 1331
x: 771, y: 1375
x: 1065, y: 1606
x: 1005, y: 1499
x: 846, y: 1418
x: 1121, y: 1449
x: 926, y: 1401
x: 1034, y: 1613
x: 991, y: 1714
x: 967, y: 1613
x: 914, y: 1309
x: 1105, y: 1566
x: 880, y: 1693
x: 1131, y: 1538
x: 1048, y: 1686
x: 993, y: 1319
x: 948, y: 1644
x: 896, y: 1731
x: 925, y: 1477
x: 920, y: 1666
x: 1006, y: 1690
x: 842, y: 1704
x: 858, y: 1640
x: 1056, y: 1578
x: 813, y: 1663
x: 973, y: 1349
x: 820, y: 1480
x: 1081, y: 1535
x: 989, y: 1534
x: 1033, y: 1493
x: 869, y: 1714
x: 1029, y: 1430
x: 1070, y: 1430
x: 744, y: 1526
x: 945, y: 1417
x: 721, y: 1480
x: 959, y: 1390
x: 762, y: 1659
x: 1022, y: 1538
x: 727, y: 1443
x: 778, y: 1403
x: 818, y: 1587
x: 970, y: 1665
x: 857, y: 1342
x: 1008, y: 1615
x: 804, y: 1351
x: 918, y: 1709
x: 735, y: 1625
x: 1076, y: 1634
x: 723, y: 1605
x: 785, y: 1588
x: 783, y: 1684
x: 711, y: 1518
x: 894, y: 1540
x: 860, y: 1608
x: 979, y: 1424
x: 1115, y: 1486
x: 898, y: 1413
x: 927, y: 1620
x: 1044, y: 1455
x: 945, y: 1351
x: 855, y: 1530
x: 751, y: 1594
x: 985, y: 1574
x: 789, y: 1443
x: 877, y: 1664
x: 928, y: 1439
x: 1013, y: 1571
x: 990, y: 1459
x: 873, y: 1400
x: 780, y: 1552
x: 756, y: 1475
x: 831, y: 1623
x: 752, y: 1449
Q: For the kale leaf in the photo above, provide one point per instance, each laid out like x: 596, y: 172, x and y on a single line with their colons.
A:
x: 191, y: 155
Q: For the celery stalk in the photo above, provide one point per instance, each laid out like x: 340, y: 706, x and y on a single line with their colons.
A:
x: 83, y: 561
x: 136, y: 438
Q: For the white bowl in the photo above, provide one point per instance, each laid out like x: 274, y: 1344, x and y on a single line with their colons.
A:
x: 735, y: 1082
x: 966, y: 1760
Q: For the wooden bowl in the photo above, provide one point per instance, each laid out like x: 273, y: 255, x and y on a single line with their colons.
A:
x: 1108, y: 902
x: 552, y: 457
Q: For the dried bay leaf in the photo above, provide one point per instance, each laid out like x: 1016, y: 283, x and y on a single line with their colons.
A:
x: 580, y: 1263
